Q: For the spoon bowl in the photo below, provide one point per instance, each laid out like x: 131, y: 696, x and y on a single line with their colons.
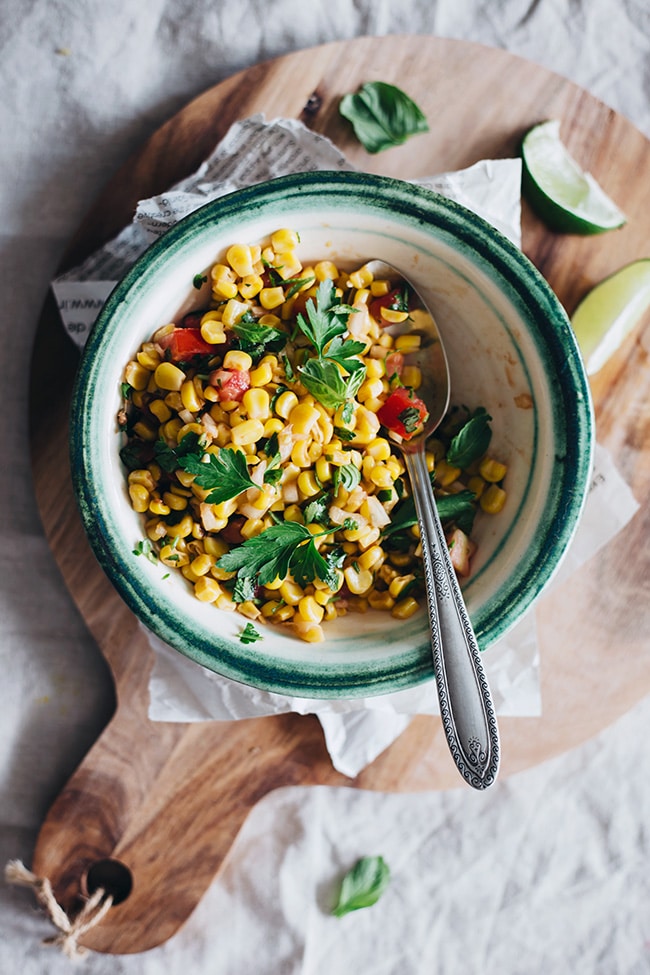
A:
x: 466, y: 707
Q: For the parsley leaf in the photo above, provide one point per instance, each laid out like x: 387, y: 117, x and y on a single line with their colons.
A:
x: 363, y: 885
x: 382, y: 116
x: 316, y: 509
x: 326, y: 318
x: 287, y: 547
x: 199, y: 280
x: 225, y: 474
x: 169, y: 457
x: 471, y: 441
x: 249, y: 634
x: 323, y: 379
x: 258, y: 339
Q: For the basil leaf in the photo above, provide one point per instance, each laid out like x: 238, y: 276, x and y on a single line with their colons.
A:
x: 472, y: 440
x: 249, y: 634
x: 382, y: 116
x: 363, y: 885
x: 458, y: 508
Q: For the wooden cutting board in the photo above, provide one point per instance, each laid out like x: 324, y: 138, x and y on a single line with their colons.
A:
x: 167, y: 800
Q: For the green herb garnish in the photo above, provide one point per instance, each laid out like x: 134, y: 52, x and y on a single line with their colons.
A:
x: 257, y: 339
x: 287, y: 547
x: 472, y: 440
x: 382, y: 116
x: 249, y: 634
x: 363, y: 885
x: 199, y: 280
x: 224, y: 474
x: 144, y: 547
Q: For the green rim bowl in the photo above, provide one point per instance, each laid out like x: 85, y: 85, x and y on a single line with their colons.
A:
x: 510, y: 347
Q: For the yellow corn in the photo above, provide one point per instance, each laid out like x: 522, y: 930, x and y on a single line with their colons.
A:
x: 223, y: 282
x: 379, y: 287
x: 446, y: 473
x: 172, y: 557
x: 307, y: 484
x: 182, y: 529
x: 302, y: 417
x: 493, y: 499
x: 310, y: 610
x: 201, y: 565
x: 412, y: 376
x: 309, y: 632
x: 169, y: 376
x: 291, y: 592
x: 358, y: 580
x: 492, y: 470
x: 256, y: 402
x: 262, y: 375
x: 190, y: 397
x: 240, y: 259
x: 372, y: 557
x: 206, y: 589
x: 405, y: 608
x: 271, y: 297
x: 136, y: 375
x: 140, y: 497
x: 174, y: 501
x: 407, y: 343
x: 248, y: 432
x: 158, y: 507
x: 380, y: 600
x: 284, y: 239
x: 476, y: 484
x: 213, y: 332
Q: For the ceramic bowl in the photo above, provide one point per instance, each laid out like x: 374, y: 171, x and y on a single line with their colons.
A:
x: 511, y: 350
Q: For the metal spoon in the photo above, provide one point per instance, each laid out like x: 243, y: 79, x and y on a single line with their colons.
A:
x: 466, y: 707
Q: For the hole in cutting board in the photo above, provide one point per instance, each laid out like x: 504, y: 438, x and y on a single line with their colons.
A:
x: 112, y: 876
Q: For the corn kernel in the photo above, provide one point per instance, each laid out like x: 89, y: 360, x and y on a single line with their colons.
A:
x: 172, y: 557
x: 476, y: 485
x: 206, y: 589
x: 262, y: 374
x: 140, y: 497
x: 136, y: 375
x: 226, y: 603
x: 271, y: 297
x: 493, y: 499
x: 201, y: 565
x: 190, y: 397
x: 158, y: 507
x: 256, y: 402
x: 372, y: 558
x: 169, y: 376
x: 405, y: 608
x: 412, y: 376
x: 213, y: 332
x: 248, y: 432
x: 302, y: 417
x: 223, y: 281
x: 174, y: 501
x: 407, y: 343
x: 285, y: 403
x: 358, y: 580
x: 148, y: 359
x: 182, y: 529
x: 283, y: 240
x: 291, y: 592
x: 309, y: 610
x: 492, y: 470
x: 379, y: 287
x: 240, y: 259
x: 446, y: 473
x: 307, y: 484
x: 380, y: 600
x: 309, y: 632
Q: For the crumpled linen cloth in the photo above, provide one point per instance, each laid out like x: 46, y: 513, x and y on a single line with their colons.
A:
x: 548, y: 871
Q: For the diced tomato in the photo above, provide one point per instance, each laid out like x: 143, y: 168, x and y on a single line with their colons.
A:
x: 394, y: 300
x: 394, y: 364
x: 461, y: 549
x: 403, y: 412
x: 183, y: 343
x: 231, y: 384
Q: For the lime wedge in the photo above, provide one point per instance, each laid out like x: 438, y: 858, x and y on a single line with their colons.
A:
x: 610, y: 311
x: 566, y: 198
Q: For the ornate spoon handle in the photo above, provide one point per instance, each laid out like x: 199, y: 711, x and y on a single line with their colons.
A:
x: 466, y: 707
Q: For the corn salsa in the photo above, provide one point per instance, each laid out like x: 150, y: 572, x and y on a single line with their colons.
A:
x: 259, y: 440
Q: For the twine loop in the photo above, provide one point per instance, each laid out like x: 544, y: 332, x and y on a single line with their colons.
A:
x: 95, y: 907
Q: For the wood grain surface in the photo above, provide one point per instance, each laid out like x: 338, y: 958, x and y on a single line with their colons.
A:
x: 167, y: 800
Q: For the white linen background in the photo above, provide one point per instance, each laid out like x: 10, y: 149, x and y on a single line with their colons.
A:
x: 548, y: 871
